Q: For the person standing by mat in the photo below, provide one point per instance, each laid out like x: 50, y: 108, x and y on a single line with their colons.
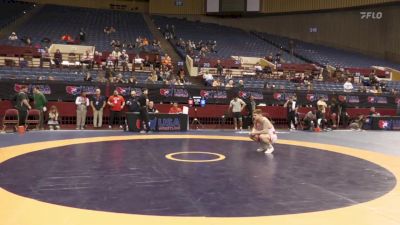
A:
x: 116, y: 103
x: 236, y: 106
x: 22, y: 105
x: 40, y: 102
x: 291, y: 109
x: 263, y: 132
x: 144, y: 115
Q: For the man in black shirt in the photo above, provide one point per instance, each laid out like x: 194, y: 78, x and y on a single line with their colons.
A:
x: 132, y: 102
x: 144, y: 115
x: 291, y: 107
x: 334, y: 110
x: 344, y: 117
x: 250, y: 106
x: 22, y: 105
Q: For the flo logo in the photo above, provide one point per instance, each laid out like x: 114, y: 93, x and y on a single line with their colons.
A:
x: 349, y: 99
x: 210, y: 94
x: 77, y: 90
x: 371, y: 15
x: 315, y: 97
x: 247, y: 94
x: 166, y: 92
x: 180, y: 93
x: 384, y: 124
x: 282, y: 96
x: 378, y: 100
x: 126, y: 91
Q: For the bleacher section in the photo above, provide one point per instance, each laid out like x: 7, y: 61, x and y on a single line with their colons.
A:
x: 7, y: 73
x: 230, y: 41
x: 11, y: 10
x: 324, y: 55
x: 55, y: 21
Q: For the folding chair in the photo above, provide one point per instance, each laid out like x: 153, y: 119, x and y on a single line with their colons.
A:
x: 11, y: 117
x: 33, y: 118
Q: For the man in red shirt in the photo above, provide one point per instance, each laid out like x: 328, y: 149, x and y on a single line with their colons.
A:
x: 175, y: 109
x: 116, y: 103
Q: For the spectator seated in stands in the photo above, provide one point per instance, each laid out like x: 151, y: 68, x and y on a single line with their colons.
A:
x: 124, y: 60
x: 58, y: 58
x: 67, y: 39
x: 373, y: 90
x: 138, y: 62
x: 88, y: 77
x: 46, y: 41
x: 216, y: 83
x: 373, y: 80
x: 228, y: 75
x: 110, y: 61
x: 240, y: 84
x: 362, y: 89
x: 144, y: 44
x: 182, y: 77
x: 150, y: 79
x: 157, y: 62
x: 87, y: 58
x: 208, y: 78
x: 175, y: 109
x: 13, y: 37
x: 101, y: 78
x: 166, y: 61
x: 258, y: 69
x: 348, y: 86
x: 119, y: 79
x: 97, y: 59
x: 230, y: 84
x: 44, y: 56
x: 27, y: 40
x: 109, y: 30
x: 116, y: 53
x: 132, y: 80
x: 138, y: 42
x: 269, y: 58
x: 147, y: 63
x: 267, y: 85
x: 156, y: 44
x: 53, y: 121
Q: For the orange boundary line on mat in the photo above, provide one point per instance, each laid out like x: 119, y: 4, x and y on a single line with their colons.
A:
x: 18, y: 210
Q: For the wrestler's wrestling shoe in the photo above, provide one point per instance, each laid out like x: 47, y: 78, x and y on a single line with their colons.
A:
x: 269, y: 150
x: 260, y: 150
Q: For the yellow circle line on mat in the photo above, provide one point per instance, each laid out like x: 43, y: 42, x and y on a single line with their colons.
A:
x: 171, y: 156
x: 19, y: 210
